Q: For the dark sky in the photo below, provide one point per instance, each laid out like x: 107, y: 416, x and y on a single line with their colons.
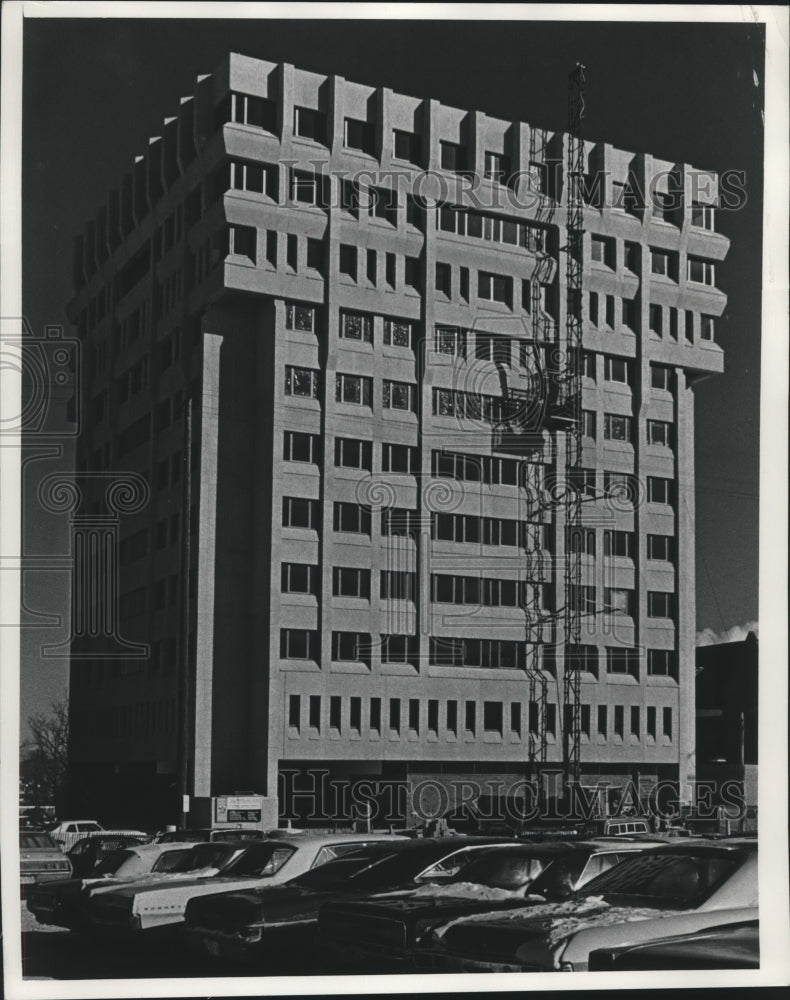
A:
x: 95, y: 90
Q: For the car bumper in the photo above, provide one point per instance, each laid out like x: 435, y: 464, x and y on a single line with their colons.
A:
x: 430, y: 961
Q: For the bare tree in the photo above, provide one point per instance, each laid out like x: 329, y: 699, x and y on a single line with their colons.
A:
x: 47, y: 753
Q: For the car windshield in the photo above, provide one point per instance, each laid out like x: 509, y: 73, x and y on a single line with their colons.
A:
x: 237, y: 835
x: 183, y: 836
x: 406, y: 865
x: 667, y: 879
x: 261, y: 860
x: 504, y: 869
x: 336, y: 872
x: 171, y: 861
x: 111, y: 862
x: 40, y: 841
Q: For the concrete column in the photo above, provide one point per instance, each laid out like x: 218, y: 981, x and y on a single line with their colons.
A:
x: 685, y: 582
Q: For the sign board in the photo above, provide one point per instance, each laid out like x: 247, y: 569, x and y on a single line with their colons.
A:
x: 238, y: 809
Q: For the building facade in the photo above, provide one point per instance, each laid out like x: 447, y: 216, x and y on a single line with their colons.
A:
x: 351, y: 292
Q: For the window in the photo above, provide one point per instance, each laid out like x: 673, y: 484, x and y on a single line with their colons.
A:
x: 242, y: 241
x: 348, y: 260
x: 415, y: 212
x: 603, y: 724
x: 450, y: 340
x: 661, y: 377
x: 582, y: 540
x: 619, y: 720
x: 659, y: 490
x: 299, y: 317
x: 335, y: 712
x: 494, y: 287
x: 350, y: 646
x: 660, y: 604
x: 593, y: 308
x: 667, y: 721
x: 610, y: 311
x: 582, y: 598
x: 588, y: 424
x: 690, y: 327
x: 382, y: 204
x: 635, y: 724
x: 310, y: 124
x: 398, y: 585
x: 616, y: 427
x: 663, y: 263
x: 620, y: 660
x: 315, y: 254
x: 551, y: 719
x: 660, y: 548
x: 619, y: 601
x: 389, y: 270
x: 655, y: 319
x: 271, y: 247
x: 618, y: 544
x: 395, y: 715
x: 245, y: 109
x: 588, y: 364
x: 399, y: 521
x: 433, y: 716
x: 300, y: 513
x: 470, y: 717
x: 353, y: 454
x: 299, y: 578
x: 617, y: 370
x: 701, y: 271
x: 400, y: 458
x: 651, y: 721
x: 406, y: 146
x: 304, y: 188
x: 702, y: 216
x: 355, y: 714
x: 664, y: 206
x: 358, y: 135
x: 371, y: 267
x: 398, y: 648
x: 602, y: 250
x: 294, y: 710
x: 659, y: 432
x: 298, y: 447
x: 351, y: 517
x: 412, y: 273
x: 347, y: 582
x: 673, y: 323
x: 414, y: 715
x: 357, y: 389
x: 539, y: 176
x: 629, y: 314
x: 631, y: 257
x: 443, y: 276
x: 464, y: 283
x: 661, y: 663
x: 451, y: 156
x: 399, y: 395
x: 375, y: 715
x: 451, y: 717
x: 356, y: 326
x: 298, y: 644
x: 502, y: 654
x: 584, y: 720
x: 583, y: 658
x: 707, y: 328
x: 397, y: 333
x: 291, y: 251
x: 496, y: 167
x: 492, y: 717
x: 301, y: 382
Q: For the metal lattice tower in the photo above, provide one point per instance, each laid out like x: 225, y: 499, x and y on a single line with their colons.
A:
x: 571, y: 377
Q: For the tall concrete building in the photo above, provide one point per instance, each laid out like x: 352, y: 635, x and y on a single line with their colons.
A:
x: 354, y: 296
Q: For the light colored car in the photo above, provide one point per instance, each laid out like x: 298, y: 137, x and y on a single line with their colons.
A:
x: 125, y: 911
x: 675, y: 889
x: 68, y: 832
x: 40, y: 859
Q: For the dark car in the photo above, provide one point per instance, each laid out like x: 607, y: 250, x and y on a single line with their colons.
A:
x: 207, y: 835
x: 732, y: 946
x: 258, y: 924
x: 86, y: 854
x: 498, y: 879
x: 64, y: 903
x: 671, y: 890
x: 40, y: 859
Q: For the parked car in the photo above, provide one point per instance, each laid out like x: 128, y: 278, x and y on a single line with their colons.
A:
x: 40, y: 859
x: 89, y: 851
x: 207, y: 835
x: 69, y: 832
x: 673, y: 889
x: 256, y: 924
x: 725, y: 946
x: 64, y: 902
x: 390, y: 927
x: 124, y: 912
